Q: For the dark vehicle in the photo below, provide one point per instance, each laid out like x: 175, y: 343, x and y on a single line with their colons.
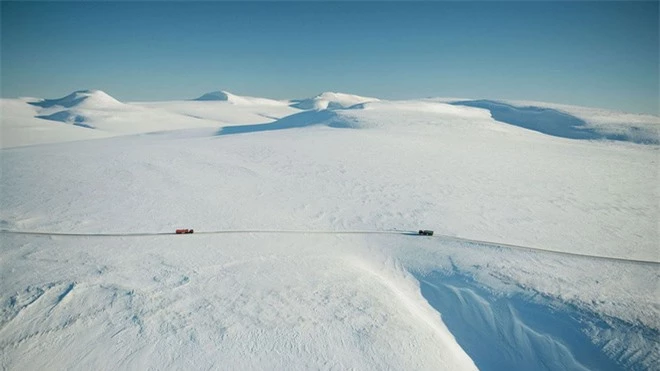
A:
x: 425, y: 232
x: 184, y: 231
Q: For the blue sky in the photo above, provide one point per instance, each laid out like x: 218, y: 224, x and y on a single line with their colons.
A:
x: 601, y: 54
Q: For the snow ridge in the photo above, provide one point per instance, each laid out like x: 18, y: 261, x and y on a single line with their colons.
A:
x: 81, y: 98
x: 331, y: 100
x: 225, y: 96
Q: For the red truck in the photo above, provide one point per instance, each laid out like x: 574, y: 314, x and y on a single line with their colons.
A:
x: 184, y: 231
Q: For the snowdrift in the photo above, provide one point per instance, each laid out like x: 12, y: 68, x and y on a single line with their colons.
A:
x: 397, y: 116
x: 224, y: 96
x: 330, y: 100
x: 643, y: 129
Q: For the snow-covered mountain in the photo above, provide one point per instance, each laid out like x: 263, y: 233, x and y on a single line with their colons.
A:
x: 76, y: 107
x: 93, y: 114
x: 94, y: 109
x: 225, y: 96
x: 82, y: 99
x: 282, y: 284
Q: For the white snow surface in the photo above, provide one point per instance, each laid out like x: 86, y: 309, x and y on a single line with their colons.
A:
x: 331, y: 100
x: 299, y: 301
x: 226, y: 96
x: 239, y: 302
x: 639, y: 127
x: 598, y: 117
x: 90, y: 114
x: 19, y: 126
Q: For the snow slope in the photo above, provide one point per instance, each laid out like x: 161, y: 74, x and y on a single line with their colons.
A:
x: 227, y: 109
x: 285, y: 300
x: 226, y: 96
x: 94, y: 99
x: 90, y: 114
x: 20, y: 126
x: 470, y: 176
x: 214, y: 303
x: 606, y: 120
x: 572, y: 121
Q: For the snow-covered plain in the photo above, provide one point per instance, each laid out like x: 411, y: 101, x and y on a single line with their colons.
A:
x: 335, y: 162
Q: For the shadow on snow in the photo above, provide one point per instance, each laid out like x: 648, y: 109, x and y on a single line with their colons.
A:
x: 523, y: 333
x: 297, y: 120
x: 544, y: 120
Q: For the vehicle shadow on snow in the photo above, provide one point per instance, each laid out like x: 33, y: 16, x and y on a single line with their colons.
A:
x: 501, y: 332
x: 297, y: 120
x: 544, y: 120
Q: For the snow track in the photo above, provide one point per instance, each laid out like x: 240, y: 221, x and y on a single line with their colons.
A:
x: 385, y: 232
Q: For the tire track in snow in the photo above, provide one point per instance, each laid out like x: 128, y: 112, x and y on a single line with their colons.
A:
x: 336, y: 232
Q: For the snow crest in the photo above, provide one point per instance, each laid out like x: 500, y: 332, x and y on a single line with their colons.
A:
x: 82, y: 99
x: 331, y: 100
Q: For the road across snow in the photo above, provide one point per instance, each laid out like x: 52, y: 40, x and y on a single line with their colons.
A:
x: 331, y: 232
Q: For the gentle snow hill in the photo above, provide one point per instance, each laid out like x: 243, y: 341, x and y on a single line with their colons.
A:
x: 350, y: 117
x: 20, y: 126
x: 638, y: 127
x: 569, y: 121
x: 330, y: 100
x: 95, y: 109
x: 226, y: 108
x: 481, y: 168
x: 225, y: 96
x: 74, y: 108
x: 90, y: 114
x: 95, y: 99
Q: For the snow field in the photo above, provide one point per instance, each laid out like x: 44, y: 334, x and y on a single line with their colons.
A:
x: 235, y: 301
x: 299, y: 301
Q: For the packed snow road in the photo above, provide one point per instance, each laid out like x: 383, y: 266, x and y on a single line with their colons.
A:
x: 332, y: 232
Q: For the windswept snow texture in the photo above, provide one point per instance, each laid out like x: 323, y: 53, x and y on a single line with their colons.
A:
x: 554, y: 122
x: 310, y: 300
x: 239, y: 302
x: 536, y: 336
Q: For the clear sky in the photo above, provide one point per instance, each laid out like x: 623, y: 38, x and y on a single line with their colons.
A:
x: 601, y: 54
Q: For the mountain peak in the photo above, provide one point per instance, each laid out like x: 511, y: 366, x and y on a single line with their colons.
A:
x: 220, y: 95
x: 97, y: 98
